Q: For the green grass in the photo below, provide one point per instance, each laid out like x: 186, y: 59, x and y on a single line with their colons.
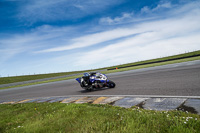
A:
x: 7, y: 80
x: 197, y: 53
x: 152, y: 65
x: 73, y: 118
x: 42, y: 82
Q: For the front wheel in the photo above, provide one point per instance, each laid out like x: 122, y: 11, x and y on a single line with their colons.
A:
x: 111, y: 84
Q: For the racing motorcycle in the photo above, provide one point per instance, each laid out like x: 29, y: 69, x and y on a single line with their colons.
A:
x: 94, y: 80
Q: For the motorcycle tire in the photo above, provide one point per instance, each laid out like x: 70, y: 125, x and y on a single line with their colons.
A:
x: 111, y: 84
x: 90, y: 88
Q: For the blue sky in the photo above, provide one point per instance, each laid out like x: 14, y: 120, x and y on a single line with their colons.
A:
x: 68, y: 35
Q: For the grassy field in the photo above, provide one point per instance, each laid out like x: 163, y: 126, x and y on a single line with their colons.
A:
x: 152, y: 65
x: 195, y: 53
x: 59, y: 117
x: 42, y: 82
x: 6, y: 80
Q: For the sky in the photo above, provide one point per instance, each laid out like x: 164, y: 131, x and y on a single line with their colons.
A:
x: 40, y: 36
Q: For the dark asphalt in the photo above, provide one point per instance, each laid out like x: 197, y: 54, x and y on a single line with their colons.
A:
x: 181, y: 79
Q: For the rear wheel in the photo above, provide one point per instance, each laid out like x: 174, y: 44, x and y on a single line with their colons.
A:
x: 90, y: 88
x: 111, y: 84
x: 83, y: 84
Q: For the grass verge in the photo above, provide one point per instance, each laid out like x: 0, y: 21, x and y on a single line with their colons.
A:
x: 57, y: 117
x: 164, y: 59
x: 42, y: 82
x: 7, y: 80
x: 152, y: 65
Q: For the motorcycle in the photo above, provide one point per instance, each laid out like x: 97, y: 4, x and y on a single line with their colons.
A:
x: 94, y: 80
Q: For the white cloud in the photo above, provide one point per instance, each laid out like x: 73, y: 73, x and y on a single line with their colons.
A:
x: 162, y: 5
x: 169, y: 36
x: 41, y: 10
x: 93, y: 39
x: 156, y: 39
x: 13, y: 46
x: 145, y: 9
x: 97, y: 38
x: 28, y: 42
x: 159, y: 7
x: 116, y: 20
x: 135, y: 49
x: 164, y: 37
x: 131, y: 17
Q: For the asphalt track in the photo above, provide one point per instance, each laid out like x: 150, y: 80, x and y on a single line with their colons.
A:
x: 181, y: 79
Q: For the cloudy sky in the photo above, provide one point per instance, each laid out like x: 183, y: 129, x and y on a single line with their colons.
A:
x: 40, y: 36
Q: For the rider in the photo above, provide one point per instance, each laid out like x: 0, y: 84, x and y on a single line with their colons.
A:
x: 85, y: 80
x: 92, y: 75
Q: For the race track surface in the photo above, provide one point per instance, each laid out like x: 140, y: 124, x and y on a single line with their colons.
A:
x: 182, y: 79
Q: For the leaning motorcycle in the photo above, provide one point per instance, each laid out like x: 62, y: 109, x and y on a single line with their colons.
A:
x: 94, y: 80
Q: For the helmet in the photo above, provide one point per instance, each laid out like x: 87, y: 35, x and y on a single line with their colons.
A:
x: 86, y: 74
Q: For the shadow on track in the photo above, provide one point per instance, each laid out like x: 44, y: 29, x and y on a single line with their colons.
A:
x: 101, y: 89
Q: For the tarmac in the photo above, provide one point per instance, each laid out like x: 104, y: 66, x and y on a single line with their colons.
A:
x: 158, y: 103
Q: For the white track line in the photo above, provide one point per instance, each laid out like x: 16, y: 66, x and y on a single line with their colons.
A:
x: 143, y: 96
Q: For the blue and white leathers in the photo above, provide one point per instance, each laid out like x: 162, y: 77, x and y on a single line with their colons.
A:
x: 95, y: 80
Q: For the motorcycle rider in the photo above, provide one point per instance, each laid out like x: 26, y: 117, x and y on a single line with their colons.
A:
x: 85, y: 80
x: 95, y: 80
x: 100, y: 76
x: 92, y: 75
